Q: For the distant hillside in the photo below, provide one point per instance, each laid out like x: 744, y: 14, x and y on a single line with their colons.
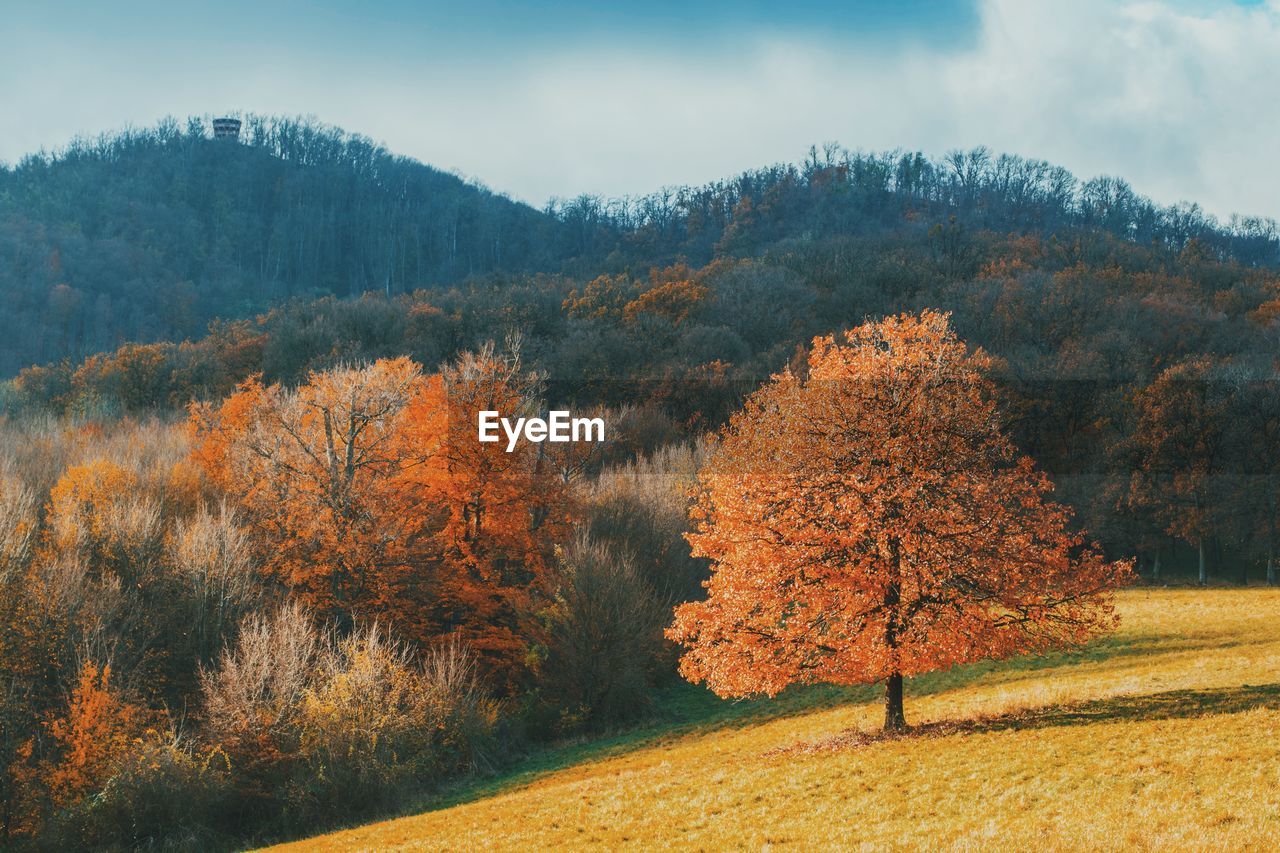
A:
x: 147, y: 235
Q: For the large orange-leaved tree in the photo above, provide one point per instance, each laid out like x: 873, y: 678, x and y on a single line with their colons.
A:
x: 869, y: 521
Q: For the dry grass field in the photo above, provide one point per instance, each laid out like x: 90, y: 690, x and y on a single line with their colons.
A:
x: 1163, y: 735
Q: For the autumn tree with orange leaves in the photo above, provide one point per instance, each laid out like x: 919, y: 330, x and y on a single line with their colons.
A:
x: 505, y: 510
x: 373, y: 498
x: 869, y: 521
x: 96, y: 733
x: 320, y: 471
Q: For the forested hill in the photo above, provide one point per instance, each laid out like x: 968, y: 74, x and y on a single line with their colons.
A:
x: 150, y: 234
x: 1129, y: 339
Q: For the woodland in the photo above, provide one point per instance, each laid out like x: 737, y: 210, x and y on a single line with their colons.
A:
x: 258, y: 577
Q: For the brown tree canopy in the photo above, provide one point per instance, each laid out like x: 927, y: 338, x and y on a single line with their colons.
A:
x: 869, y: 521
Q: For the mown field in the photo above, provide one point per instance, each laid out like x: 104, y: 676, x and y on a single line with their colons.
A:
x: 1165, y: 734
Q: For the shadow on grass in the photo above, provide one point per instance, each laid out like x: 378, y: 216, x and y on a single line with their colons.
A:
x: 1169, y: 705
x: 683, y: 710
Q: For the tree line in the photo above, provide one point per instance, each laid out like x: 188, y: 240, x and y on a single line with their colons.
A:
x: 149, y: 234
x: 1142, y: 378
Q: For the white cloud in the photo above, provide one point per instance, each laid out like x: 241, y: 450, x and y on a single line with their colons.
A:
x: 1178, y: 104
x: 1178, y: 101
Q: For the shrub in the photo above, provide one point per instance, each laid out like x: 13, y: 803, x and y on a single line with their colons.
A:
x: 318, y: 725
x: 253, y: 703
x: 363, y: 727
x: 213, y: 562
x: 18, y: 524
x: 605, y: 637
x: 163, y: 791
x: 375, y: 726
x: 93, y: 738
x: 642, y: 508
x: 463, y: 715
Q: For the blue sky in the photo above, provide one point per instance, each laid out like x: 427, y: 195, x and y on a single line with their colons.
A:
x: 387, y: 29
x: 542, y: 99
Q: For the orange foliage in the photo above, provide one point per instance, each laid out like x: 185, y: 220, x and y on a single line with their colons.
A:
x: 870, y: 521
x: 602, y: 298
x: 1017, y: 255
x: 1180, y: 441
x: 319, y: 470
x: 185, y: 487
x: 673, y: 293
x: 505, y: 509
x: 1267, y: 313
x: 138, y: 375
x: 373, y: 496
x: 99, y: 730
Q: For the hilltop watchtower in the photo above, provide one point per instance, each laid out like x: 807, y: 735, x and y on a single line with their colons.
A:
x: 226, y: 128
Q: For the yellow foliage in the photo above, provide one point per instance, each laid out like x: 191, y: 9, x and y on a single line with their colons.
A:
x: 674, y: 300
x: 602, y: 298
x: 80, y: 502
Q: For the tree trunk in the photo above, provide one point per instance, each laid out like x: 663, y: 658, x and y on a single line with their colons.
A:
x: 1271, y: 541
x: 1204, y: 570
x: 1155, y: 568
x: 895, y: 719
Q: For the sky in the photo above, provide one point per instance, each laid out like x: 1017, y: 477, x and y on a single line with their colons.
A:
x: 559, y: 98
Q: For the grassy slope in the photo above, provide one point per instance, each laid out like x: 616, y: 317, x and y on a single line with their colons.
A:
x: 1165, y: 734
